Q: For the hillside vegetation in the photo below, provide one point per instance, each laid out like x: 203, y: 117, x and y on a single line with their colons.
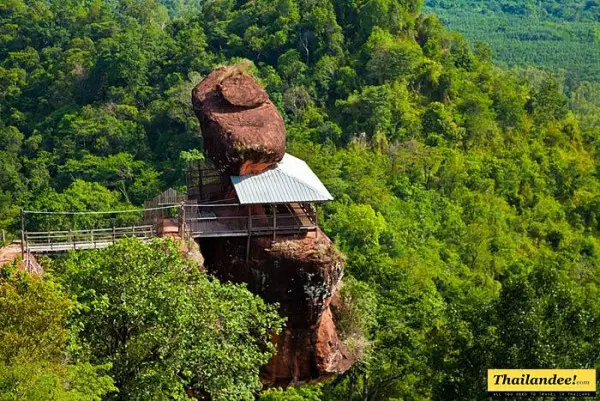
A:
x: 467, y: 198
x: 557, y: 35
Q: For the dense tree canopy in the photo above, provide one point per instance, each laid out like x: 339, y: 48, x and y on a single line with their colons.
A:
x: 466, y: 195
x: 562, y: 36
x: 34, y: 343
x: 166, y: 329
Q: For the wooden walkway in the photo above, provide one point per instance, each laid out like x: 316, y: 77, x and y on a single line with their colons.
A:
x: 61, y: 241
x: 223, y: 221
x: 200, y: 221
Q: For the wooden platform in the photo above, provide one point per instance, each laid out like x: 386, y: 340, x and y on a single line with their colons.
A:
x: 200, y: 221
x: 62, y: 241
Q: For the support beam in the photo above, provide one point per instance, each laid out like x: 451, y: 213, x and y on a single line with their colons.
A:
x: 316, y: 221
x: 274, y: 222
x: 249, y: 233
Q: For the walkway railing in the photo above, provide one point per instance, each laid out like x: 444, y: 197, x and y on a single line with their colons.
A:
x: 194, y: 220
x: 232, y: 220
x: 60, y: 241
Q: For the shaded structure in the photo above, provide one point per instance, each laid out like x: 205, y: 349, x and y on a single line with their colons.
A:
x: 277, y: 201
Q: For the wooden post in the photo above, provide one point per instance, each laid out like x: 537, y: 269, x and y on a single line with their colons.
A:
x: 71, y: 238
x: 22, y: 234
x: 274, y: 222
x: 93, y: 240
x: 3, y: 236
x: 181, y: 220
x: 183, y: 227
x: 249, y: 232
x: 114, y: 234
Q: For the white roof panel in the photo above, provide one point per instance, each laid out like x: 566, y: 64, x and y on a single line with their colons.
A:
x: 291, y: 180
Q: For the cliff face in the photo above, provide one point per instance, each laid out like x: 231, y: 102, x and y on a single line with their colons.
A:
x: 302, y: 275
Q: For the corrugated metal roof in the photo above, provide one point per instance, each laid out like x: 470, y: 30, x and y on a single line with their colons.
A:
x: 290, y: 181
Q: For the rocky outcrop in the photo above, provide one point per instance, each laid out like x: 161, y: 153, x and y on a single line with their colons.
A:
x: 169, y: 228
x: 244, y: 134
x: 301, y: 275
x: 11, y: 253
x: 242, y: 129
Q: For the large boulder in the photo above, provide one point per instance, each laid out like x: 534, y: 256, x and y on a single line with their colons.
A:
x: 243, y: 131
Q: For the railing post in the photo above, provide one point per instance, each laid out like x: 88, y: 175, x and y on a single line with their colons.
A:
x: 181, y: 218
x: 3, y: 237
x: 93, y: 240
x: 22, y: 234
x: 71, y: 238
x: 314, y: 209
x: 113, y: 235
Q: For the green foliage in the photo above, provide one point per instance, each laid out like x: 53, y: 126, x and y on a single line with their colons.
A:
x: 293, y: 394
x: 557, y: 35
x: 34, y: 344
x: 165, y: 327
x: 466, y: 195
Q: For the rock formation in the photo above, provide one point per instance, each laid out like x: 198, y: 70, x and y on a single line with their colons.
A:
x: 242, y: 129
x: 302, y: 275
x: 12, y: 252
x: 244, y: 134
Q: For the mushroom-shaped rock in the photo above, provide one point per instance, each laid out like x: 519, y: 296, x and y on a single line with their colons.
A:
x: 243, y: 131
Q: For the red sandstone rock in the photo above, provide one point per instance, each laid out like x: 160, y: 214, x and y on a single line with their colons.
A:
x: 242, y: 129
x: 12, y: 253
x: 302, y: 275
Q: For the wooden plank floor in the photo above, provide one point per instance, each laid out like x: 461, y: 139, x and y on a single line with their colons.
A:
x: 66, y: 246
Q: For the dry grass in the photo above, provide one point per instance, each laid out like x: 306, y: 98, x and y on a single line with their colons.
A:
x: 241, y: 68
x: 312, y: 250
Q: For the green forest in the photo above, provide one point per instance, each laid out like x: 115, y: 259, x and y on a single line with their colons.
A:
x: 562, y: 36
x: 467, y: 196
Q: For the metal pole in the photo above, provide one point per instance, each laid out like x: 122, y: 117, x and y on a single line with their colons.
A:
x: 181, y: 220
x: 249, y: 233
x: 22, y: 234
x: 274, y: 222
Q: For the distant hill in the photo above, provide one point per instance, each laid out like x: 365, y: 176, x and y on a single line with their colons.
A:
x: 549, y: 34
